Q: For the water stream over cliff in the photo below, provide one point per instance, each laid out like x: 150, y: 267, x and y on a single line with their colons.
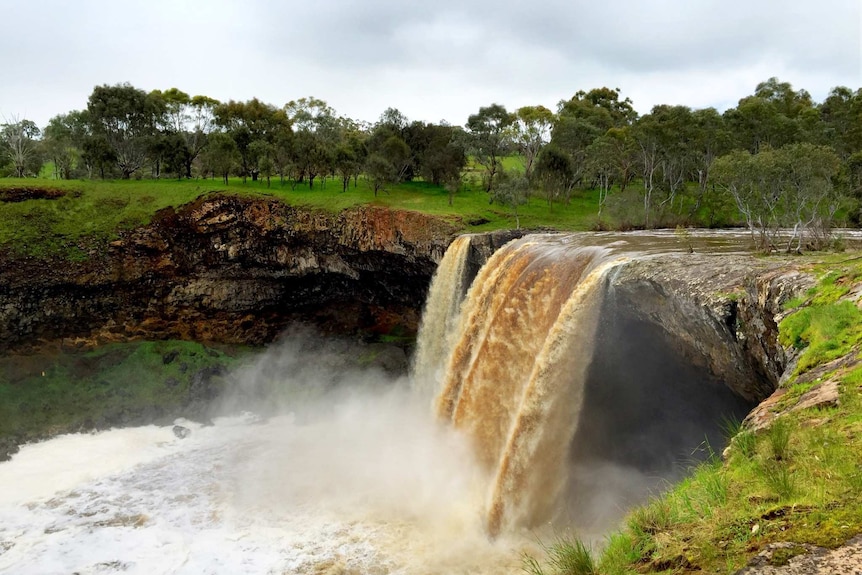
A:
x: 567, y: 397
x: 540, y: 397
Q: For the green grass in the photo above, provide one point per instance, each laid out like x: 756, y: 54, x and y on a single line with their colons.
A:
x: 93, y: 213
x: 565, y: 556
x: 828, y: 327
x: 49, y: 393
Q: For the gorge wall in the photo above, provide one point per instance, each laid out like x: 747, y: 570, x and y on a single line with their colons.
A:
x: 234, y: 270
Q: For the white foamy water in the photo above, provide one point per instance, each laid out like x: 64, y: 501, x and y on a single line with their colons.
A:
x: 359, y: 484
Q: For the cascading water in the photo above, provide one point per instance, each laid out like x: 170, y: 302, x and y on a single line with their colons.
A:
x: 515, y: 373
x: 440, y: 316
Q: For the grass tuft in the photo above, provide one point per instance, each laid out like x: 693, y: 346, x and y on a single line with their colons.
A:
x: 564, y: 557
x: 778, y: 436
x: 778, y: 479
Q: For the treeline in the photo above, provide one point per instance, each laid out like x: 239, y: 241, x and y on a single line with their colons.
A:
x: 776, y: 160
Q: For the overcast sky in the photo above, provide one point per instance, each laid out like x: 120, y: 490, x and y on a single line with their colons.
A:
x: 432, y: 59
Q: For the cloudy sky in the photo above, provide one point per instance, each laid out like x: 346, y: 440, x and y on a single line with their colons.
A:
x: 432, y: 60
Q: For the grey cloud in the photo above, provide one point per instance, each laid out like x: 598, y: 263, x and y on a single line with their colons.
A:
x: 441, y: 59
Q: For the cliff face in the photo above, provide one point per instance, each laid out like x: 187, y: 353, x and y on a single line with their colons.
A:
x: 718, y: 312
x: 235, y: 270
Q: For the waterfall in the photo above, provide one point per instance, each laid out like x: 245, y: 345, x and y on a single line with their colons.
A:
x: 440, y: 316
x: 515, y: 366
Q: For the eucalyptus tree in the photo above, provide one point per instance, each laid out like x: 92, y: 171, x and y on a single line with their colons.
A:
x: 388, y: 139
x: 220, y: 156
x: 380, y: 171
x: 584, y: 118
x: 444, y: 156
x: 317, y: 133
x: 20, y: 145
x: 555, y: 173
x: 125, y: 118
x: 603, y: 166
x: 711, y: 139
x: 191, y: 117
x: 675, y: 129
x: 646, y: 135
x: 488, y: 131
x: 253, y: 125
x: 531, y: 131
x: 63, y: 140
x: 791, y: 187
x: 512, y: 191
x: 774, y: 116
x: 841, y: 121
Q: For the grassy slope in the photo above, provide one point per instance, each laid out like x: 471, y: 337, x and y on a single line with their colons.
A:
x: 93, y: 212
x: 800, y: 481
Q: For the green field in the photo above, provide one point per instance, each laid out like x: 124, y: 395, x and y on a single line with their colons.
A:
x: 93, y: 212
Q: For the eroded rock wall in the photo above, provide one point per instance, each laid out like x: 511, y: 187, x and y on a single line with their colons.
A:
x: 235, y: 270
x: 718, y: 311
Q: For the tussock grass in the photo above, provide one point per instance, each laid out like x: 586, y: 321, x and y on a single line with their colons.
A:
x: 778, y: 435
x: 778, y: 479
x: 565, y: 556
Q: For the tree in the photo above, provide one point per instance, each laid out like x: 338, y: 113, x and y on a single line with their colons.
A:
x: 249, y: 122
x: 532, y: 131
x: 380, y: 172
x: 809, y: 196
x: 586, y: 117
x: 646, y: 135
x: 602, y: 165
x: 126, y: 118
x: 63, y: 139
x: 790, y: 188
x: 555, y: 172
x: 488, y: 130
x: 443, y: 158
x: 841, y: 121
x: 221, y: 155
x: 602, y: 107
x: 193, y: 118
x: 711, y: 140
x: 308, y: 114
x: 98, y: 154
x: 773, y: 116
x: 21, y: 146
x: 512, y: 191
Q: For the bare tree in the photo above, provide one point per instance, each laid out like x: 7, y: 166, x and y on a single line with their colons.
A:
x: 19, y: 141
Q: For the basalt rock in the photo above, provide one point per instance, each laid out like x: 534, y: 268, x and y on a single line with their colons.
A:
x: 231, y: 269
x: 720, y: 312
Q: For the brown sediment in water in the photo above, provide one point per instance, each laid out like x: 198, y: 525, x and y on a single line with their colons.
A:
x: 516, y: 371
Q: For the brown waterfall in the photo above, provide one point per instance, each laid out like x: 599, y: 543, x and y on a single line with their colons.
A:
x: 514, y: 377
x: 440, y: 316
